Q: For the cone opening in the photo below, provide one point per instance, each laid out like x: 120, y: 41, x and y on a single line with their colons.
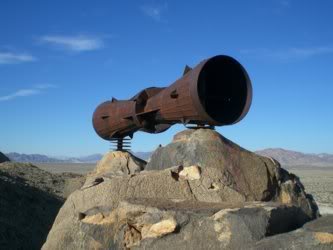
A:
x: 224, y: 90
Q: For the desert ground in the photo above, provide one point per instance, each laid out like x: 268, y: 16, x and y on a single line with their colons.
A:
x: 56, y: 168
x: 318, y: 181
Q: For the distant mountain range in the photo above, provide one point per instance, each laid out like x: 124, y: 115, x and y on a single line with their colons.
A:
x: 143, y: 155
x: 294, y: 158
x: 38, y: 158
x: 285, y: 157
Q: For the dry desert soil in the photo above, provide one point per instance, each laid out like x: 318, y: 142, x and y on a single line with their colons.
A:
x: 319, y: 183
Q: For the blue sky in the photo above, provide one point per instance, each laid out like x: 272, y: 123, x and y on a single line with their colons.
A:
x: 60, y: 59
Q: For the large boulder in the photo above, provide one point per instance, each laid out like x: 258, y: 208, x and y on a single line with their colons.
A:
x: 30, y: 199
x: 200, y: 191
x: 231, y: 169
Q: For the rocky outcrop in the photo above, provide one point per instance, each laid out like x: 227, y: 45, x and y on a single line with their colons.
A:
x: 227, y: 166
x: 162, y: 224
x: 199, y: 192
x: 30, y: 199
x: 119, y: 163
x: 116, y: 163
x: 3, y: 158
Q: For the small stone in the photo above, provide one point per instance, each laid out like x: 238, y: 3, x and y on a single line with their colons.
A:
x: 159, y: 229
x: 190, y: 173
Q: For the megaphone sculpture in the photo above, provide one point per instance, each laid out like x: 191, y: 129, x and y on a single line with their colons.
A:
x: 216, y: 92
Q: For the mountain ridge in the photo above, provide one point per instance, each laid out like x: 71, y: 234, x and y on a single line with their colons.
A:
x: 284, y: 156
x: 40, y: 158
x: 294, y: 158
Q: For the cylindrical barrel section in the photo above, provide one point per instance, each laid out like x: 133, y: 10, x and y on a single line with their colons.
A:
x: 216, y: 92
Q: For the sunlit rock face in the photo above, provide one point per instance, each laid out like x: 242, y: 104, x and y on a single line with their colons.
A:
x: 201, y: 191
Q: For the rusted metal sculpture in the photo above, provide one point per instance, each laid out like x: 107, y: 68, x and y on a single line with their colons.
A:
x: 216, y: 92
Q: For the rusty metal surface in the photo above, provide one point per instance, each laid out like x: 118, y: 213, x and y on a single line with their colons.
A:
x: 216, y: 92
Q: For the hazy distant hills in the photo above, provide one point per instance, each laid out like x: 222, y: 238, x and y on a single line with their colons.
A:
x: 285, y: 157
x: 143, y: 155
x: 31, y: 158
x: 294, y: 158
x: 38, y: 158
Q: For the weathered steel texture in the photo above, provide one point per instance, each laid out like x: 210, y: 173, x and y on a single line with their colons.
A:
x: 216, y: 92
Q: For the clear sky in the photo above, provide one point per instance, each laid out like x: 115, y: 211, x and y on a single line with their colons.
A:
x: 60, y: 59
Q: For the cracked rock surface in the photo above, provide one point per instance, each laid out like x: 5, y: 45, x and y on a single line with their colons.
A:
x: 201, y: 191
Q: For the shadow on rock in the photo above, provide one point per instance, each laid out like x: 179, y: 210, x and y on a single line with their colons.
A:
x: 26, y: 214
